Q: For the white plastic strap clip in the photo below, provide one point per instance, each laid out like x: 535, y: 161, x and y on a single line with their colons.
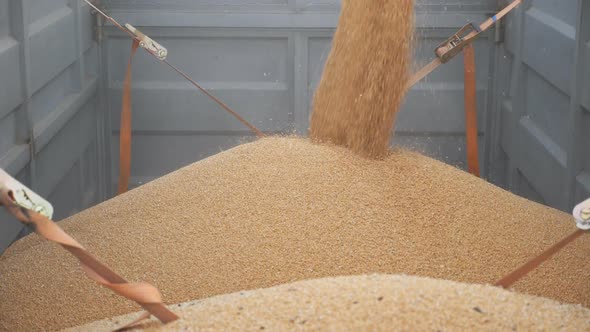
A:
x: 582, y: 215
x: 25, y: 197
x: 147, y: 43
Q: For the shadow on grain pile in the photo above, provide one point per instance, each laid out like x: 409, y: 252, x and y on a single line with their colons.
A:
x: 283, y: 209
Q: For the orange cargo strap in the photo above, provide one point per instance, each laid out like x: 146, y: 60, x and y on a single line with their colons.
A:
x: 471, y: 111
x: 125, y: 130
x: 146, y: 295
x: 462, y: 41
x: 455, y: 44
x: 525, y: 269
x: 126, y: 117
x: 160, y: 53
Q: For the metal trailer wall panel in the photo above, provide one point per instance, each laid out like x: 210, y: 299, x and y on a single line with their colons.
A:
x: 48, y: 105
x: 541, y: 112
x: 264, y: 58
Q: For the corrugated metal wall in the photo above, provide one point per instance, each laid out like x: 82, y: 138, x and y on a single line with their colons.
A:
x: 48, y: 97
x: 542, y: 110
x: 264, y: 58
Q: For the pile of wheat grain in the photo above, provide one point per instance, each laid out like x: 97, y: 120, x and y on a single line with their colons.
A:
x: 281, y: 210
x: 364, y: 80
x: 369, y: 303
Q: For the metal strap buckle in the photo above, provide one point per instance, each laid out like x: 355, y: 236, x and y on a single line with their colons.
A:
x: 25, y: 197
x: 582, y: 215
x: 455, y: 44
x: 147, y: 43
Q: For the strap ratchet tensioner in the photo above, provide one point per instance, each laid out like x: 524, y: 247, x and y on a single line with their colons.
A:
x: 455, y: 44
x: 147, y: 43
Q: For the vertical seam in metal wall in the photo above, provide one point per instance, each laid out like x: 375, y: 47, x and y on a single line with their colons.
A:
x: 25, y: 71
x: 494, y: 114
x: 291, y: 79
x: 574, y: 153
x: 301, y: 85
x: 107, y: 121
x: 20, y: 27
x: 104, y: 144
x: 75, y: 6
x: 491, y: 100
x: 517, y: 94
x: 495, y: 127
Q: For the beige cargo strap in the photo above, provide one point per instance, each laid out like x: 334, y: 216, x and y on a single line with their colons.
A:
x: 144, y: 294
